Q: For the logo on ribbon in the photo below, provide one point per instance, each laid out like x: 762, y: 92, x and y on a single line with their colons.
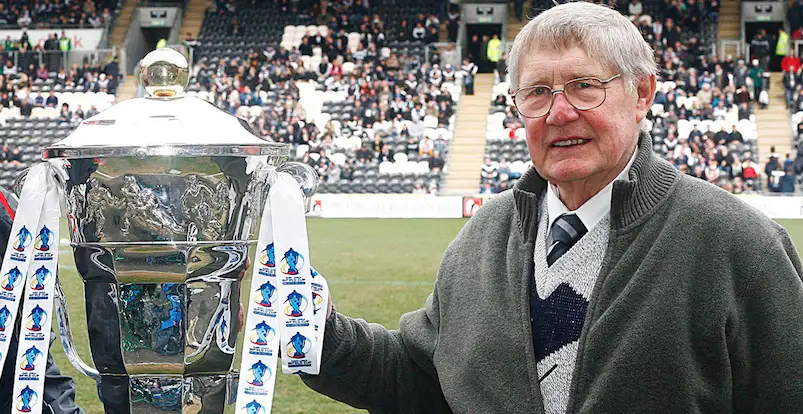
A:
x: 26, y: 399
x: 31, y: 358
x: 11, y: 279
x: 268, y: 258
x: 5, y: 318
x: 40, y: 278
x: 317, y: 302
x: 23, y: 239
x: 43, y: 240
x: 224, y: 330
x: 292, y: 262
x: 296, y: 304
x: 257, y: 372
x: 262, y: 334
x: 37, y: 317
x: 265, y: 295
x: 254, y: 408
x: 298, y: 346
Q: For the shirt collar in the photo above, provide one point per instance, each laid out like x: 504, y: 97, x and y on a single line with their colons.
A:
x: 593, y: 210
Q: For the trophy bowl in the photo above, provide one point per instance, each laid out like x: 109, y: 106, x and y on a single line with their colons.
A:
x: 162, y: 196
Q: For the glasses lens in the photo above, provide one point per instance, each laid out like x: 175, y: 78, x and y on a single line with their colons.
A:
x: 533, y: 102
x: 585, y: 94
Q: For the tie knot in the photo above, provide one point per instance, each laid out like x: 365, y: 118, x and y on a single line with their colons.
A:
x: 567, y: 229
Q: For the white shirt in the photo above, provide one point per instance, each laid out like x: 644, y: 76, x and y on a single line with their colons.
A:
x: 593, y: 210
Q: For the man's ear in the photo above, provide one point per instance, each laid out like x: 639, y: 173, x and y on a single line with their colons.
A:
x: 645, y: 89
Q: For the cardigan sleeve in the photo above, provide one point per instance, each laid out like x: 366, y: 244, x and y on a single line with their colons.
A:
x: 367, y: 366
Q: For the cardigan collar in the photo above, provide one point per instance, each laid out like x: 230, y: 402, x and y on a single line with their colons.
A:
x: 647, y: 184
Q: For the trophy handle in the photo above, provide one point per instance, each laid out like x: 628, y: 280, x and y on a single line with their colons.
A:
x: 16, y: 186
x: 307, y: 179
x: 67, y: 341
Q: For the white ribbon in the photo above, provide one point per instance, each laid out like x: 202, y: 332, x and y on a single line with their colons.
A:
x: 32, y: 252
x: 287, y: 310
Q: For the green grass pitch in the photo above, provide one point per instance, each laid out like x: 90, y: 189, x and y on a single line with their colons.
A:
x: 377, y: 269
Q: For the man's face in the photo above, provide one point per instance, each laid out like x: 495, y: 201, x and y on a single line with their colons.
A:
x: 610, y: 131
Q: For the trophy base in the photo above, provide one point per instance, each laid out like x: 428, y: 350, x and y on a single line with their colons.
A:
x: 162, y: 394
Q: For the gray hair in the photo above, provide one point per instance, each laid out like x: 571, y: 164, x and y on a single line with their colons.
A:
x: 603, y: 33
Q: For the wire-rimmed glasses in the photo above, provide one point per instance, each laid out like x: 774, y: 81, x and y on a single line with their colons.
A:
x: 581, y: 93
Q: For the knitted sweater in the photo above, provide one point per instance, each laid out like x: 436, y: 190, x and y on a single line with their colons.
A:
x: 696, y: 309
x: 559, y: 309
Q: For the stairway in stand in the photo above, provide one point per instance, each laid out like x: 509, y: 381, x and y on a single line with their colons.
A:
x: 123, y: 22
x: 193, y: 18
x: 730, y: 17
x: 513, y: 24
x: 468, y: 145
x: 773, y: 123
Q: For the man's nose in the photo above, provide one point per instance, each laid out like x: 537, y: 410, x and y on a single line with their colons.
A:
x: 562, y: 111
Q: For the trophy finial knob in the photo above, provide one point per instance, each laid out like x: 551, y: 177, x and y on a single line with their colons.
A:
x: 164, y: 73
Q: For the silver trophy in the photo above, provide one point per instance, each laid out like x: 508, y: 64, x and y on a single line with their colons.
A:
x: 163, y: 196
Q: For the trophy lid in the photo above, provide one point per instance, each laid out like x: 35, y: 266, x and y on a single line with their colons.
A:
x: 164, y: 123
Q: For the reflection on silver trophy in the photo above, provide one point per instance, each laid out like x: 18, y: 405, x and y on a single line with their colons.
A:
x: 163, y: 195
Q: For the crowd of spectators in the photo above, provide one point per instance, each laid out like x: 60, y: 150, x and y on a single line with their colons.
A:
x: 34, y: 72
x: 388, y: 93
x: 25, y: 64
x: 42, y: 14
x: 695, y: 88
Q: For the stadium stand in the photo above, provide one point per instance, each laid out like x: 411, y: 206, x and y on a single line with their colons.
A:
x: 29, y: 14
x: 39, y: 107
x: 793, y: 93
x: 42, y: 100
x: 702, y: 120
x: 351, y: 88
x: 362, y: 104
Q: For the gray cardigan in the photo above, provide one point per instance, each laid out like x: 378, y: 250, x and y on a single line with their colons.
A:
x: 698, y: 307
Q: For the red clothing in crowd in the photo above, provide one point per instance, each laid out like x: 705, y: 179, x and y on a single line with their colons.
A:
x: 790, y: 62
x: 749, y: 173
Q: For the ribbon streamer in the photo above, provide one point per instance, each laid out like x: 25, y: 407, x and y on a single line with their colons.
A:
x: 287, y: 295
x: 30, y: 264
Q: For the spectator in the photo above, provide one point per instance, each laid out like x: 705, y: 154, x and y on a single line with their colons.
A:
x: 65, y: 115
x: 635, y: 8
x: 453, y: 24
x: 791, y: 62
x: 450, y: 56
x: 426, y: 147
x: 469, y: 69
x: 436, y: 162
x: 490, y: 171
x: 760, y: 49
x: 781, y: 47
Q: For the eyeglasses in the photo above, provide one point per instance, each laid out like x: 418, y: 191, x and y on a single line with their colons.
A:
x: 582, y: 93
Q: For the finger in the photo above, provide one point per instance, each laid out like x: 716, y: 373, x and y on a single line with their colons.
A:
x: 245, y: 269
x: 242, y: 318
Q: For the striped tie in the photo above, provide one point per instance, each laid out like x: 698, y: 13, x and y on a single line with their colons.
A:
x: 566, y: 230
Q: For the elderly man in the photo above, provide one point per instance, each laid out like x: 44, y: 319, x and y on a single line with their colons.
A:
x: 606, y: 281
